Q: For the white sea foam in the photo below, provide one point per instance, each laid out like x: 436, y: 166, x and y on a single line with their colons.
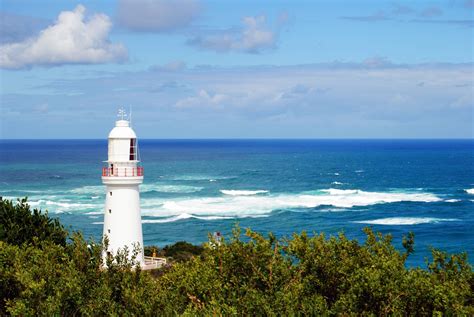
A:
x: 94, y: 213
x: 453, y: 200
x: 359, y: 171
x: 170, y: 219
x: 231, y: 192
x: 98, y: 223
x: 237, y: 203
x: 470, y: 191
x: 335, y: 191
x: 404, y: 221
x: 185, y: 216
x: 336, y: 183
x: 259, y: 205
x: 59, y: 206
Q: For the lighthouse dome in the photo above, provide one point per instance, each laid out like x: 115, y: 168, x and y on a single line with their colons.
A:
x: 122, y: 130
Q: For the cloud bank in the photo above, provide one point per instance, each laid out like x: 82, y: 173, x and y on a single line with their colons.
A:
x: 157, y: 15
x: 406, y: 14
x: 371, y: 98
x: 72, y: 39
x: 253, y: 37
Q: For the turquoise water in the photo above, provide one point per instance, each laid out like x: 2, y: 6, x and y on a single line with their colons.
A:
x: 193, y: 187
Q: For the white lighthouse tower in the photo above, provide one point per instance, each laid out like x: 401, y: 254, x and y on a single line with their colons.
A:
x: 122, y: 176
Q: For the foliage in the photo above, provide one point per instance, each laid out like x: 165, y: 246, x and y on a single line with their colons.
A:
x: 179, y: 251
x: 18, y: 224
x: 301, y: 275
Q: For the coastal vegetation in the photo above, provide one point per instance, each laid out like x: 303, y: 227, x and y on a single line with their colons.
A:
x: 45, y: 270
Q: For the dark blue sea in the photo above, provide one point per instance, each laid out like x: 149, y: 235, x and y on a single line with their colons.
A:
x: 196, y: 187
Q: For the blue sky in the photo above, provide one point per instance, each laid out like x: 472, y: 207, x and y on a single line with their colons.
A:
x: 238, y: 69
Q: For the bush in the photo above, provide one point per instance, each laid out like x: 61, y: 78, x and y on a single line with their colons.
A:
x: 301, y: 275
x: 180, y: 251
x: 317, y: 276
x: 18, y: 224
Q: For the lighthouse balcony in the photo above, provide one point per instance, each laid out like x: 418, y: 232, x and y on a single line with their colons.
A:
x: 122, y: 171
x: 122, y: 175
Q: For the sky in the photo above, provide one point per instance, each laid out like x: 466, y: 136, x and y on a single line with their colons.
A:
x: 237, y: 69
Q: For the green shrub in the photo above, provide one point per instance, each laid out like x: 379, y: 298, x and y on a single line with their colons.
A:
x: 300, y: 275
x: 18, y: 224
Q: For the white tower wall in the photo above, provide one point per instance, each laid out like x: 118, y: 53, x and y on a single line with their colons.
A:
x: 122, y: 177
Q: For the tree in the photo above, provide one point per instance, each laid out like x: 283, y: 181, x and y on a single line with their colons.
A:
x: 18, y: 224
x: 299, y: 275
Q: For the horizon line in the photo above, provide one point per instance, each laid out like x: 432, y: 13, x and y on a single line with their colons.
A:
x: 241, y: 139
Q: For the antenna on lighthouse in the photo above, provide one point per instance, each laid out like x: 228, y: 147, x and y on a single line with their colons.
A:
x: 130, y: 115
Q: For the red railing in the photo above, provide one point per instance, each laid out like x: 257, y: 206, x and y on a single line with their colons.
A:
x: 122, y: 171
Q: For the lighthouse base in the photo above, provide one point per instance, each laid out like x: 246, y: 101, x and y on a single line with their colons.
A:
x: 122, y: 221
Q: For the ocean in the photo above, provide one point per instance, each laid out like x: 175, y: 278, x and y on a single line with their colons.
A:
x: 196, y: 187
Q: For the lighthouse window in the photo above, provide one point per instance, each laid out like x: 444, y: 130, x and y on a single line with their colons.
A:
x: 110, y: 193
x: 133, y: 149
x: 108, y: 230
x: 110, y: 211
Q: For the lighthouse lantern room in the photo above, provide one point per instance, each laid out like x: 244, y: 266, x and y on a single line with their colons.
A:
x: 122, y: 177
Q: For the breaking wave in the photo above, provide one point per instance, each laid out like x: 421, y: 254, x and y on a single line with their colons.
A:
x: 404, y: 221
x: 260, y: 205
x: 61, y: 205
x: 171, y: 219
x: 234, y: 203
x: 243, y: 192
x: 184, y: 216
x: 94, y: 213
x: 470, y: 191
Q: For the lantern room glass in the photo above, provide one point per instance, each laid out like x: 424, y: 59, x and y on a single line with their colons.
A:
x: 133, y: 149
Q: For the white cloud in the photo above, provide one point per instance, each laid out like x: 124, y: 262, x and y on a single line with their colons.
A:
x: 254, y: 37
x: 157, y: 15
x: 202, y: 99
x: 319, y: 100
x: 381, y: 91
x: 70, y: 40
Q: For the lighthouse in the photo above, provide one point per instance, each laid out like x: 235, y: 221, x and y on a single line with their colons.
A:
x: 122, y: 177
